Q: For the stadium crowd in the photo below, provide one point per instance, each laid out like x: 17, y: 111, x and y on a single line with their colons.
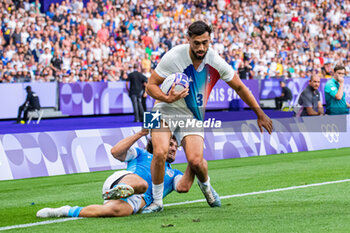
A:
x: 103, y: 40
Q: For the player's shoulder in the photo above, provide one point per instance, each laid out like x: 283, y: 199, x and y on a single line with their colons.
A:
x: 178, y: 50
x: 213, y: 57
x: 174, y: 172
x: 212, y: 52
x: 175, y: 60
x: 142, y: 151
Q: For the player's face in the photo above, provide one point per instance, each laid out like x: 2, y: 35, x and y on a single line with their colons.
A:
x: 172, y: 151
x: 315, y: 82
x: 199, y: 45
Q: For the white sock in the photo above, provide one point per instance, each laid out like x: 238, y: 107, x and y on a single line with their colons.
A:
x: 63, y: 211
x: 157, y: 192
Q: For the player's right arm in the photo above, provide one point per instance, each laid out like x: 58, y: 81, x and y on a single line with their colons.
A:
x: 122, y: 149
x: 152, y: 89
x: 184, y: 182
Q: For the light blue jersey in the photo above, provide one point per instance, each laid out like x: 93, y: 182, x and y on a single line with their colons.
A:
x: 140, y: 164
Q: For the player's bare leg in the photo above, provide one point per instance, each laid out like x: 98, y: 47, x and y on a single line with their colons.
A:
x: 136, y: 182
x: 126, y: 187
x: 193, y: 146
x: 160, y: 141
x: 112, y: 208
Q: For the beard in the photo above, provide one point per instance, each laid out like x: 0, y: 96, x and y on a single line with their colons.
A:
x: 197, y: 57
x: 170, y: 159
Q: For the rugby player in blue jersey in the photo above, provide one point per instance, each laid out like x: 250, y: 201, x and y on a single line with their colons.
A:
x: 128, y: 191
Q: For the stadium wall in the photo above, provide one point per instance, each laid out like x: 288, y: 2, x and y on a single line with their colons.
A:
x: 94, y: 98
x: 65, y: 152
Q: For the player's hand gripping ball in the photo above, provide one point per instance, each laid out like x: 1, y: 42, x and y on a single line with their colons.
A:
x: 179, y: 79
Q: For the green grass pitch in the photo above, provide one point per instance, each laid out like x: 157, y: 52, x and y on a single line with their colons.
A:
x: 323, y: 208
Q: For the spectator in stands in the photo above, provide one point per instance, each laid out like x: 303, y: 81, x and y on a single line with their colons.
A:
x: 327, y: 70
x: 135, y: 84
x: 334, y: 93
x: 31, y: 103
x: 45, y: 58
x: 310, y: 98
x: 295, y: 38
x: 245, y: 71
x: 286, y: 95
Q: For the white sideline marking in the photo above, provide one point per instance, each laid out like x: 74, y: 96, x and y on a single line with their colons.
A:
x: 262, y: 192
x: 37, y: 223
x: 185, y: 202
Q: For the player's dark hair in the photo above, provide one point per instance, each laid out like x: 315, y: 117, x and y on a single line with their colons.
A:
x: 198, y: 28
x: 149, y: 146
x: 338, y: 67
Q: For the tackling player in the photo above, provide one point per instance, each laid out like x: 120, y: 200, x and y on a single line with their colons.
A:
x: 204, y: 67
x: 127, y: 192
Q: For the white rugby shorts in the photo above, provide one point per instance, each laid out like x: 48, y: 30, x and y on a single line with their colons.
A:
x: 134, y: 201
x: 171, y: 113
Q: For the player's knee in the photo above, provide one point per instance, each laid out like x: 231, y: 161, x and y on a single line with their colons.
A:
x: 160, y: 153
x: 142, y: 186
x: 117, y: 212
x: 196, y: 162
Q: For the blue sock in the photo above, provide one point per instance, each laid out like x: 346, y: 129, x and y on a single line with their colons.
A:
x: 74, y: 211
x: 118, y: 184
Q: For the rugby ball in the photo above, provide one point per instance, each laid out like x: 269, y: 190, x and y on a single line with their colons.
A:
x: 180, y: 80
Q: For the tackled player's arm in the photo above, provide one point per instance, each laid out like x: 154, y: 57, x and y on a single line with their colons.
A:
x: 152, y: 89
x: 184, y: 182
x: 243, y: 92
x: 119, y: 150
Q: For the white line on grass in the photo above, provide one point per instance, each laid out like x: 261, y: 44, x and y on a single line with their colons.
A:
x: 37, y: 223
x: 185, y: 202
x: 262, y: 192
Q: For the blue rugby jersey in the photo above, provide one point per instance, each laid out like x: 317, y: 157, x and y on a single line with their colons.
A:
x: 141, y: 165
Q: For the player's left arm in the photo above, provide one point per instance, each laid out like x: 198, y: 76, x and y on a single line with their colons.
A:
x: 241, y: 89
x: 183, y: 183
x: 121, y: 149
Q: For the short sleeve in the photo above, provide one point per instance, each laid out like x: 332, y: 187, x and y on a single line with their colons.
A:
x: 177, y: 176
x: 331, y: 89
x: 166, y: 65
x: 306, y: 100
x: 225, y: 70
x: 131, y: 154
